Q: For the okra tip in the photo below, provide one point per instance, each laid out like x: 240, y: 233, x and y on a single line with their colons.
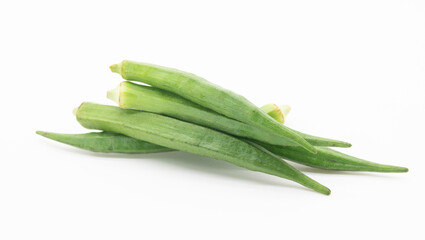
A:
x: 42, y: 133
x: 318, y: 187
x: 325, y: 191
x: 342, y: 144
x: 400, y: 169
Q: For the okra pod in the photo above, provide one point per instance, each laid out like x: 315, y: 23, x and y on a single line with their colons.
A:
x: 146, y: 98
x: 175, y: 134
x: 106, y: 142
x: 206, y: 94
x: 325, y: 158
x: 330, y: 159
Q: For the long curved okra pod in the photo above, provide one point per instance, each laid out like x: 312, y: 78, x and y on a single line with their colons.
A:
x: 187, y: 137
x: 208, y: 95
x: 325, y: 158
x: 146, y: 98
x: 330, y: 159
x: 109, y: 142
x: 106, y: 142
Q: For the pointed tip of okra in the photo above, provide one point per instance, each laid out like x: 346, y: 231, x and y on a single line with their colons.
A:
x: 116, y: 68
x: 321, y: 188
x: 326, y: 191
x: 45, y: 134
x: 41, y: 133
x: 388, y: 169
x: 316, y: 186
x: 341, y: 144
x: 397, y: 169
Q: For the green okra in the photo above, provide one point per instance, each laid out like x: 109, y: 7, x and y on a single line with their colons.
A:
x: 106, y: 142
x: 325, y: 158
x: 206, y: 94
x: 146, y: 98
x: 330, y: 159
x: 109, y: 142
x: 323, y: 142
x: 188, y: 137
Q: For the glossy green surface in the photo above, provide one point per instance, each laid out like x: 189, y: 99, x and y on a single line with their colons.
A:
x: 188, y: 137
x: 208, y: 95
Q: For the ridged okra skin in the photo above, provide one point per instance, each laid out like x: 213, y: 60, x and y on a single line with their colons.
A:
x: 325, y: 158
x: 133, y: 96
x: 208, y: 95
x: 330, y: 159
x: 187, y: 137
x: 105, y: 142
x: 146, y: 98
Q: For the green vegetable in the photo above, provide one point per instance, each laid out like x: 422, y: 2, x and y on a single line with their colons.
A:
x: 323, y: 142
x: 188, y: 137
x: 106, y: 142
x: 208, y: 95
x: 145, y: 98
x: 327, y: 158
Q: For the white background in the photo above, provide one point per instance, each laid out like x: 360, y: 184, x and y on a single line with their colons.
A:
x: 351, y: 70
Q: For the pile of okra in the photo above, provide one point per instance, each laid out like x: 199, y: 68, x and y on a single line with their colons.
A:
x: 175, y: 110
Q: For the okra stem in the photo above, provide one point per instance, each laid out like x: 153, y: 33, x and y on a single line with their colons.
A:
x: 285, y: 110
x: 274, y: 111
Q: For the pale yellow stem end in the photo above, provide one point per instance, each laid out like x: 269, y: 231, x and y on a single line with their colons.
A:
x: 114, y: 94
x: 273, y: 111
x: 116, y: 68
x: 285, y: 109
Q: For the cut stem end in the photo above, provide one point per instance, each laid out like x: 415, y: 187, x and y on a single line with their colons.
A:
x: 116, y: 68
x: 114, y: 94
x: 285, y: 109
x: 74, y: 111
